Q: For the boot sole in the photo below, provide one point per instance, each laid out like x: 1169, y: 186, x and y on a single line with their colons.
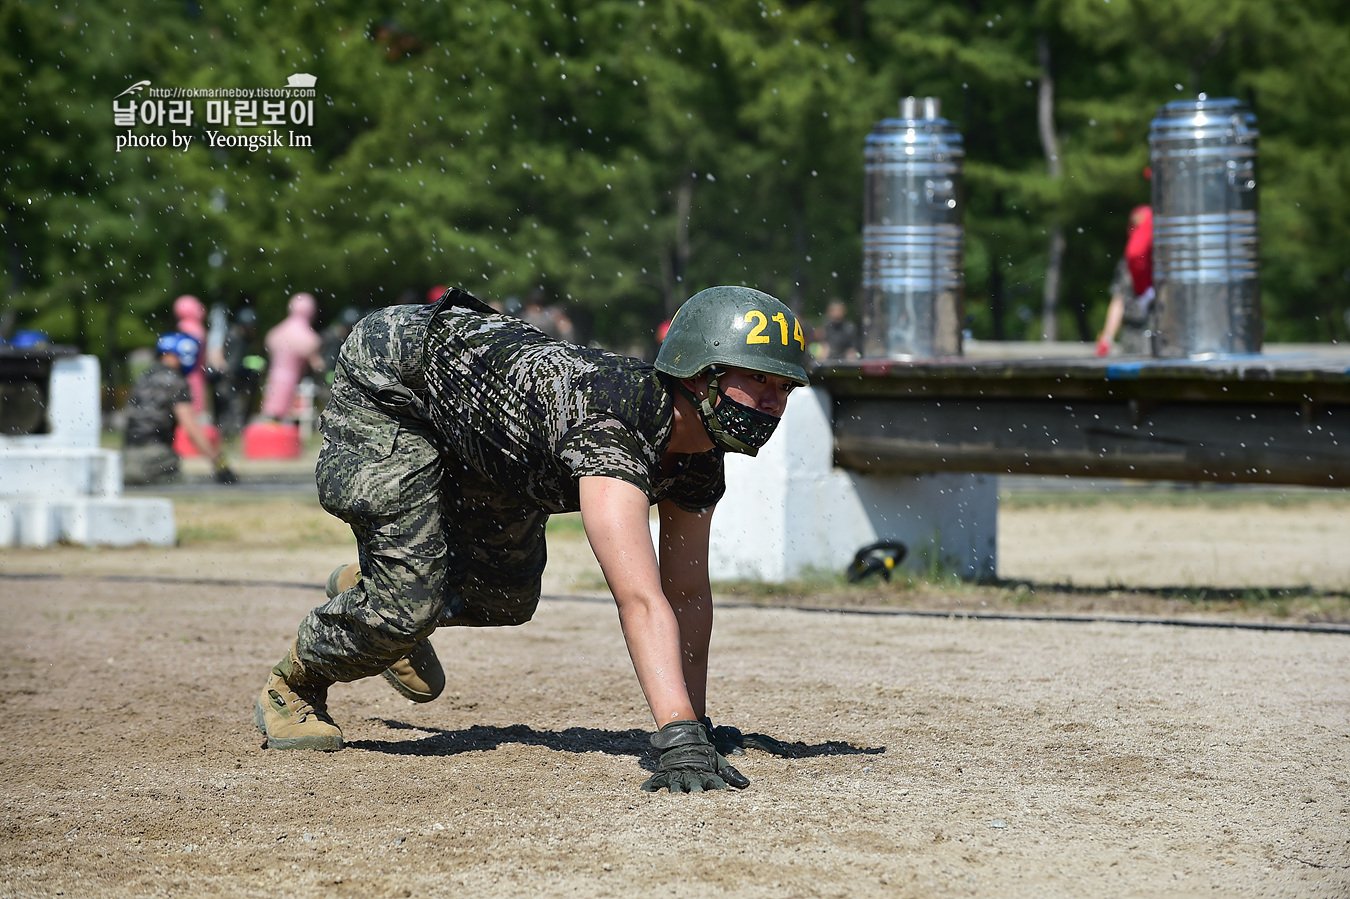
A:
x: 319, y: 744
x: 404, y: 690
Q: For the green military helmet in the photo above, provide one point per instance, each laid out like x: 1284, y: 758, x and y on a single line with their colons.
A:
x: 734, y: 326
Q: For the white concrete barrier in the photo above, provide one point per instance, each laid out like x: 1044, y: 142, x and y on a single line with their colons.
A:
x: 789, y: 510
x: 56, y: 471
x: 93, y: 521
x: 74, y: 402
x: 119, y: 522
x: 61, y: 487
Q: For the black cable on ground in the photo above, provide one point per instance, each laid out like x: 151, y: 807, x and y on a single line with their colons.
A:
x: 1063, y: 619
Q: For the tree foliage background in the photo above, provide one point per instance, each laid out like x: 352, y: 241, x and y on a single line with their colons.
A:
x: 620, y: 154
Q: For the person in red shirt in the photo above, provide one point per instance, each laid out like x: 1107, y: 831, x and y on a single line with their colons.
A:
x: 1131, y: 290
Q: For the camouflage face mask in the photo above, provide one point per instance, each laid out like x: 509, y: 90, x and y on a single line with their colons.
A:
x: 734, y: 426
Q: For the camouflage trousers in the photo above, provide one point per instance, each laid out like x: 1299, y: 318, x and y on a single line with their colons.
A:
x: 438, y: 545
x: 149, y: 463
x: 1134, y: 339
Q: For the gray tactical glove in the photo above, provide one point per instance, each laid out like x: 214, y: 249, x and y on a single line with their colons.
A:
x: 689, y: 763
x: 730, y: 741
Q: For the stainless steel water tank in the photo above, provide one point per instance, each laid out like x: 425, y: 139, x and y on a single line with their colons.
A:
x: 913, y: 276
x: 1205, y: 259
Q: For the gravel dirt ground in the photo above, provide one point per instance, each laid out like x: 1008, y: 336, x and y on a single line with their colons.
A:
x: 932, y: 756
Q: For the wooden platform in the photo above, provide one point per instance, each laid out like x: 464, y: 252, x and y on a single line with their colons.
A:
x: 1278, y: 417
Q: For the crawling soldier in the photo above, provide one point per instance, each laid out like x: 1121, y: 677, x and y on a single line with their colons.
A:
x: 453, y: 433
x: 160, y: 399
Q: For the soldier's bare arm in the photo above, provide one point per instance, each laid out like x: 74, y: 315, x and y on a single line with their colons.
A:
x: 615, y: 515
x: 187, y: 419
x: 684, y: 580
x: 1115, y: 313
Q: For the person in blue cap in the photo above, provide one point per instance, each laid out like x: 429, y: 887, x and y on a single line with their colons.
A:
x: 160, y: 400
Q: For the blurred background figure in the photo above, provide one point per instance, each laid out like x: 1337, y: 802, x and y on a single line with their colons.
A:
x: 336, y: 334
x: 1127, y: 315
x: 436, y: 292
x: 160, y: 400
x: 217, y: 325
x: 839, y: 334
x: 239, y: 365
x: 292, y: 349
x: 191, y: 315
x: 552, y: 319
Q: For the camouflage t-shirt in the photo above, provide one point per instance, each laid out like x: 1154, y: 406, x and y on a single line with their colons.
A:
x: 150, y: 407
x: 536, y: 414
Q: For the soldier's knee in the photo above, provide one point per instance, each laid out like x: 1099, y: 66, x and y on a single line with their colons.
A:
x: 405, y: 608
x: 492, y: 608
x: 413, y: 621
x: 513, y: 614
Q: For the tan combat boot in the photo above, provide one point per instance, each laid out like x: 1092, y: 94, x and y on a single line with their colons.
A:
x: 418, y: 675
x: 292, y: 710
x: 343, y: 578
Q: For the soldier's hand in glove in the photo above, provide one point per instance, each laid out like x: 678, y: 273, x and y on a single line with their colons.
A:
x: 730, y: 741
x: 689, y: 763
x: 224, y: 475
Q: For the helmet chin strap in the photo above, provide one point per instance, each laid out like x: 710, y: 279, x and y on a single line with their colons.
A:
x: 711, y: 423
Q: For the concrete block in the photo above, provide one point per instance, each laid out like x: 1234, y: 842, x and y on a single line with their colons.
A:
x: 92, y: 521
x: 61, y: 486
x: 107, y: 476
x: 74, y: 402
x: 35, y: 522
x: 118, y: 521
x: 789, y: 510
x: 59, y: 471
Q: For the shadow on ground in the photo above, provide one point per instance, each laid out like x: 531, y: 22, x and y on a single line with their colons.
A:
x: 481, y: 738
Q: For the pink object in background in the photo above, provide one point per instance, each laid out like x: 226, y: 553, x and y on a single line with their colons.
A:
x: 270, y: 440
x: 292, y: 346
x: 191, y: 315
x: 186, y: 449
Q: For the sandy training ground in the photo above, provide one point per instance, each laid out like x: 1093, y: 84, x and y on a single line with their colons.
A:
x: 933, y: 756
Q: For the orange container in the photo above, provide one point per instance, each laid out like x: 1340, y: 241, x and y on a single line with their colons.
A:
x: 270, y: 440
x: 184, y: 448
